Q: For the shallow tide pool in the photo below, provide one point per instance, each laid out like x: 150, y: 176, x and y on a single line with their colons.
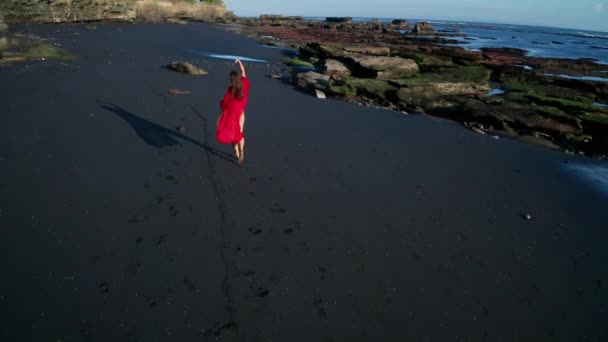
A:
x: 495, y: 92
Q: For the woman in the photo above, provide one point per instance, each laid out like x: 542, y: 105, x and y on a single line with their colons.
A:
x: 231, y: 122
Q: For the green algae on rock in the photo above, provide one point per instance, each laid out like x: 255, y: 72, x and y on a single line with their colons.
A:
x: 17, y: 49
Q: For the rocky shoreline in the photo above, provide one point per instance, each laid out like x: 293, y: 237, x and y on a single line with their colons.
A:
x: 404, y: 67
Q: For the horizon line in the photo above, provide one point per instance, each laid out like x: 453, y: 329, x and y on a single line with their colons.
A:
x: 476, y: 21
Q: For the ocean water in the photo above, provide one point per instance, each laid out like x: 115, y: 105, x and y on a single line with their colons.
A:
x: 536, y: 40
x: 593, y: 174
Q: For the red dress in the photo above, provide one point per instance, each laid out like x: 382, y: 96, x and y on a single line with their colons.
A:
x: 228, y: 128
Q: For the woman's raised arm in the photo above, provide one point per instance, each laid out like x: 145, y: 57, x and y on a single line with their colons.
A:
x: 238, y: 61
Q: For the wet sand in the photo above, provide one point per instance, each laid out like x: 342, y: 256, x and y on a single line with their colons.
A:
x: 345, y: 224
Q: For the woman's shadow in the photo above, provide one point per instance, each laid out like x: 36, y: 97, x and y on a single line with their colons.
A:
x: 158, y: 136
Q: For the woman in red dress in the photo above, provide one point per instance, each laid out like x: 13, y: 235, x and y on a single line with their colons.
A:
x: 231, y: 122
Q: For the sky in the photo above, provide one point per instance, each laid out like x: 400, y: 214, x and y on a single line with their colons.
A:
x: 577, y: 14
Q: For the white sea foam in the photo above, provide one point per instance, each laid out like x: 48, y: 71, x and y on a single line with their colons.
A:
x: 593, y: 35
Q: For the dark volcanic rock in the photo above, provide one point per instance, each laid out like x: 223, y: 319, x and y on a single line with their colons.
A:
x: 423, y: 28
x: 334, y: 68
x: 308, y: 80
x: 428, y: 95
x: 186, y: 68
x: 339, y: 20
x: 369, y: 50
x: 387, y: 68
x: 401, y: 24
x: 505, y: 51
x: 271, y: 17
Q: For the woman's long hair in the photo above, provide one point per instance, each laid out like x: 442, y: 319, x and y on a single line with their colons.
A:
x: 237, y: 85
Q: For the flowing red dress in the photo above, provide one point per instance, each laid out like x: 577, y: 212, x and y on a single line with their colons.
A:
x: 228, y: 128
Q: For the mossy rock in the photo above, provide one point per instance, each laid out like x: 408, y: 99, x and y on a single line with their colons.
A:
x: 377, y: 89
x: 4, y: 43
x: 426, y: 62
x: 46, y: 51
x: 548, y: 90
x: 341, y: 91
x: 8, y: 57
x: 596, y: 118
x: 475, y: 74
x: 425, y: 94
x: 560, y: 102
x: 559, y: 115
x: 577, y: 139
x: 296, y: 62
x: 552, y: 111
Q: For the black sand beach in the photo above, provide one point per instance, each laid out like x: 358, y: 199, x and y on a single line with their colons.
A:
x: 345, y: 224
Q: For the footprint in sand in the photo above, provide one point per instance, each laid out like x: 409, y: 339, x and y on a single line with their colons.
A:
x: 151, y: 301
x: 262, y: 292
x: 190, y: 285
x: 161, y: 239
x: 94, y: 259
x: 248, y: 273
x: 85, y: 333
x: 220, y: 327
x: 280, y: 210
x: 134, y: 220
x: 133, y: 268
x: 322, y: 271
x: 254, y: 230
x: 318, y: 303
x: 104, y: 288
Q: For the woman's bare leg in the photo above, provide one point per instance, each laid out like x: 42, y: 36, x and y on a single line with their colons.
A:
x: 237, y: 152
x: 242, y: 142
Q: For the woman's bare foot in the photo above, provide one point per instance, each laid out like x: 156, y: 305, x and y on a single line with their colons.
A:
x: 237, y: 152
x: 241, y: 157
